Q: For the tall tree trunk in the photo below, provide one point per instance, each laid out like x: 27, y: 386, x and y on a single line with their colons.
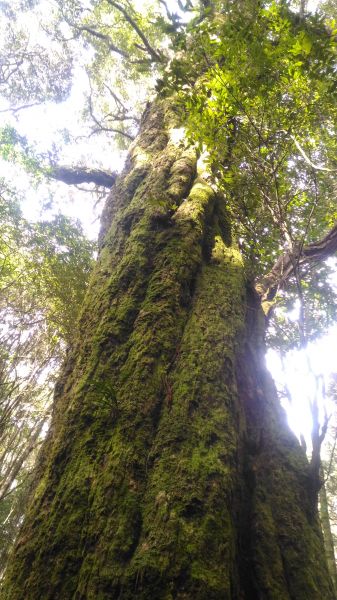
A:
x: 327, y: 534
x: 169, y: 471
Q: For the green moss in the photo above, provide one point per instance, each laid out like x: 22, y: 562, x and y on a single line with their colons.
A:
x: 187, y: 506
x: 135, y: 312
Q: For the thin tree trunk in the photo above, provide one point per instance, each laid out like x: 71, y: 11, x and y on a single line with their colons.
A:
x: 14, y: 468
x: 169, y: 471
x: 327, y: 534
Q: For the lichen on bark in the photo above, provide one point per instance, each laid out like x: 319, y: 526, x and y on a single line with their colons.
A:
x: 169, y: 471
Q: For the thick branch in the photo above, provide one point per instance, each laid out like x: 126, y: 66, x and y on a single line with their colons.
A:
x: 286, y: 264
x: 76, y: 175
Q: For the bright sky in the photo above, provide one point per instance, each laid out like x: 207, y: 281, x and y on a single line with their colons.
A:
x: 307, y: 374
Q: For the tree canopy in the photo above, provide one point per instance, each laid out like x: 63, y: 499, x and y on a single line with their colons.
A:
x: 44, y: 272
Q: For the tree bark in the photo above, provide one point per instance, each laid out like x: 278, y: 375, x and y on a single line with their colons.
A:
x: 169, y: 471
x: 327, y: 534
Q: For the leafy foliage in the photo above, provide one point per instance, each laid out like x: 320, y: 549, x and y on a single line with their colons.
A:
x: 30, y: 72
x: 264, y: 111
x: 44, y: 273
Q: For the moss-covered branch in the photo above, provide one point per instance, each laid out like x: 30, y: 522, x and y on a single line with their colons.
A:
x: 78, y: 175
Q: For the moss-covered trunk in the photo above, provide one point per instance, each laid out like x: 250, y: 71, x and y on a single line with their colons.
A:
x: 169, y: 471
x: 327, y: 533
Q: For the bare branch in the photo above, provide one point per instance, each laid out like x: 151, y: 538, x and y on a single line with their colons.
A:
x: 123, y: 112
x: 155, y: 55
x: 92, y: 30
x: 18, y: 108
x: 285, y: 265
x: 307, y: 159
x: 103, y: 127
x: 303, y: 6
x: 174, y: 18
x: 104, y: 37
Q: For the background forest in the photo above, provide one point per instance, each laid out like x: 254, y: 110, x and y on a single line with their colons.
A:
x: 75, y: 78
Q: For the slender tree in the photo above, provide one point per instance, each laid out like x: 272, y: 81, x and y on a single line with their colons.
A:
x: 169, y: 471
x: 327, y: 533
x: 44, y: 273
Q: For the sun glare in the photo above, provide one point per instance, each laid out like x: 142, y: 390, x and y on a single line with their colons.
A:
x: 303, y: 376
